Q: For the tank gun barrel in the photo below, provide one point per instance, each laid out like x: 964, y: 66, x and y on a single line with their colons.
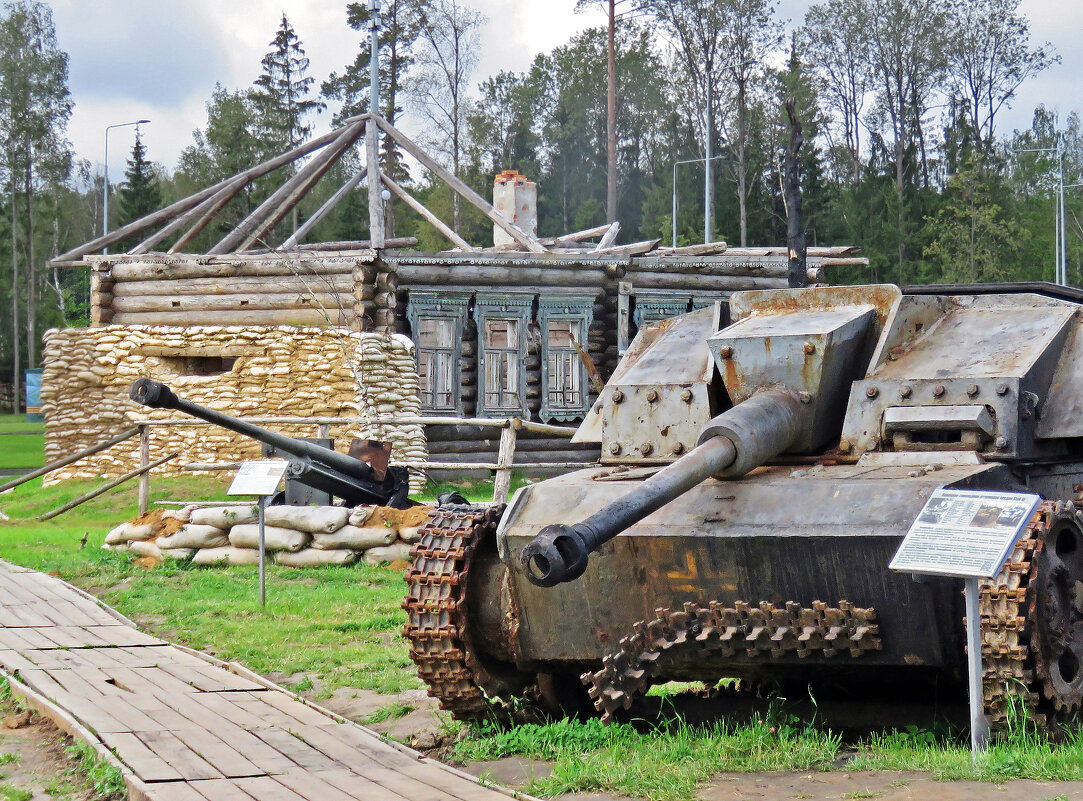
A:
x: 322, y: 468
x: 737, y: 441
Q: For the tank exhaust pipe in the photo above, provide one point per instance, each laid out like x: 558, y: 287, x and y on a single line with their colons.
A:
x: 737, y: 441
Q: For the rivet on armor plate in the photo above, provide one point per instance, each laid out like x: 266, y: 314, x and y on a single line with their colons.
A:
x: 804, y: 397
x: 678, y: 449
x: 938, y: 390
x: 845, y: 446
x: 618, y: 396
x: 725, y: 351
x: 652, y: 396
x: 646, y: 449
x: 1001, y: 443
x: 871, y: 392
x: 686, y: 395
x: 1002, y: 389
x: 614, y: 448
x: 810, y: 348
x: 972, y: 391
x: 906, y: 392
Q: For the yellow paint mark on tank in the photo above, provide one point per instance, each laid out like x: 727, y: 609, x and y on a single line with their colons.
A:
x: 691, y: 571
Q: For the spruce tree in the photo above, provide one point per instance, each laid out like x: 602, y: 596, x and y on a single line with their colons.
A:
x: 281, y: 93
x: 140, y: 193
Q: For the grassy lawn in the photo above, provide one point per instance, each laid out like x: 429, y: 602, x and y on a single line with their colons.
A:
x: 25, y: 445
x: 340, y: 628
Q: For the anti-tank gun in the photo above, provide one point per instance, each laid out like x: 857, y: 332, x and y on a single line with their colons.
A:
x: 761, y: 462
x: 353, y: 480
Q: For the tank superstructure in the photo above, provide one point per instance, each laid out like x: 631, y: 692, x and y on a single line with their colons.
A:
x: 762, y: 461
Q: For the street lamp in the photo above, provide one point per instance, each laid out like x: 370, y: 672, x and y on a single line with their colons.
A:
x: 1060, y: 267
x: 105, y: 189
x: 707, y: 213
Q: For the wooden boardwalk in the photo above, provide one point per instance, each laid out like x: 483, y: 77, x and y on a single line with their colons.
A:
x: 185, y: 727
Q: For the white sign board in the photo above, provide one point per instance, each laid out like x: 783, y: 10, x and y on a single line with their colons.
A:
x: 259, y: 477
x: 967, y: 533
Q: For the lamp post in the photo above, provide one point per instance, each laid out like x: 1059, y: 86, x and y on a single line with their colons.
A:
x: 707, y: 215
x: 1060, y: 257
x: 105, y: 188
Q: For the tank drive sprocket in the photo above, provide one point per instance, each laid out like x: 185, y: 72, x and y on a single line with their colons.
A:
x: 436, y: 603
x: 1032, y: 621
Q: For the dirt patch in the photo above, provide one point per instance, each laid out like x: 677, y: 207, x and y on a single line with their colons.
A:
x: 881, y: 785
x: 397, y: 518
x: 38, y: 762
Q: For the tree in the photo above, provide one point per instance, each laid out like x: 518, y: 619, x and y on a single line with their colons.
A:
x: 833, y: 39
x: 907, y: 41
x: 447, y: 57
x: 140, y: 193
x: 401, y: 22
x: 36, y: 155
x: 989, y: 57
x: 281, y: 93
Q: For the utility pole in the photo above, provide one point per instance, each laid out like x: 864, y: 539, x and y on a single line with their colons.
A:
x: 611, y: 118
x: 372, y: 131
x: 1060, y: 243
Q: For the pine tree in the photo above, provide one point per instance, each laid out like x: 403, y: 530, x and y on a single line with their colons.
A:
x: 140, y: 193
x: 281, y: 93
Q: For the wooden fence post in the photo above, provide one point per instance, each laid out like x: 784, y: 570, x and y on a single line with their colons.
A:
x: 144, y: 477
x: 323, y: 431
x: 504, y: 461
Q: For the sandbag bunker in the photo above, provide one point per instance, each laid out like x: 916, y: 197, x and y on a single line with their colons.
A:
x: 295, y: 536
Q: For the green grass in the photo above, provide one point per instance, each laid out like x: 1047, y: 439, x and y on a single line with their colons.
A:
x: 18, y: 422
x: 668, y: 762
x: 25, y: 448
x: 105, y: 778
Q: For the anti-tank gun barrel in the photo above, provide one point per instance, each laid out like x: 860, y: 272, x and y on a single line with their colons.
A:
x: 353, y: 480
x: 732, y: 444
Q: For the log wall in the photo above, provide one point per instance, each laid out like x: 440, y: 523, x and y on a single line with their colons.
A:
x: 242, y: 371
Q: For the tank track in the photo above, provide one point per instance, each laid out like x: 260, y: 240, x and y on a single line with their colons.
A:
x: 1017, y: 617
x: 703, y: 632
x: 435, y: 604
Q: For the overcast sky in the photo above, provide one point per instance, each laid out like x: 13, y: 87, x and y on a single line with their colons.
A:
x: 160, y: 59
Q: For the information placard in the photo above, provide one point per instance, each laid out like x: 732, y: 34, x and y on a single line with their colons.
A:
x: 260, y: 477
x: 967, y: 533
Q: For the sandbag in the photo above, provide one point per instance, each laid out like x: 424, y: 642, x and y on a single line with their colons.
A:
x: 313, y: 519
x: 275, y: 538
x: 178, y: 554
x: 126, y: 532
x: 193, y: 536
x: 225, y: 517
x: 184, y: 514
x: 360, y: 515
x: 354, y: 538
x: 314, y: 557
x: 410, y: 534
x: 145, y: 548
x: 226, y: 556
x: 390, y: 553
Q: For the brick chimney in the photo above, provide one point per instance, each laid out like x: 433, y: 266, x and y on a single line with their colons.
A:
x: 516, y: 198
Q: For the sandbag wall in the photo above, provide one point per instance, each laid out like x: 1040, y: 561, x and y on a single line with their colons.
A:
x: 263, y: 371
x: 294, y: 536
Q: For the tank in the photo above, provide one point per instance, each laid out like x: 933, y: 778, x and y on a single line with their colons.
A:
x: 362, y: 477
x: 761, y: 462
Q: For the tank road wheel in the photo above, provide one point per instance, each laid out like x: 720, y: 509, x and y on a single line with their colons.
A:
x: 1032, y: 621
x: 437, y: 606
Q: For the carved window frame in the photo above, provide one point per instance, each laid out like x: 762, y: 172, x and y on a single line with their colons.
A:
x: 451, y: 307
x: 510, y: 307
x: 579, y: 311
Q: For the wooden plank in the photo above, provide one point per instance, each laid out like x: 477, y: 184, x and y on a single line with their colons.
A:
x: 313, y: 785
x: 267, y: 789
x: 213, y: 207
x: 188, y: 763
x: 143, y: 761
x: 468, y: 194
x: 290, y: 745
x: 297, y: 236
x: 205, y: 211
x: 75, y: 457
x: 252, y: 748
x: 116, y: 482
x: 24, y: 639
x: 303, y: 714
x: 366, y: 788
x: 175, y: 791
x: 220, y: 790
x: 217, y: 753
x: 377, y: 219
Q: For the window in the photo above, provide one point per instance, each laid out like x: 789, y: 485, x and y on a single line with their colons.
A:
x: 503, y: 318
x: 436, y: 363
x: 201, y: 366
x: 437, y: 320
x: 653, y: 307
x: 502, y: 364
x: 565, y: 322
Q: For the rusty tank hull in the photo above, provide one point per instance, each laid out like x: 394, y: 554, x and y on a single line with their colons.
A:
x: 751, y: 496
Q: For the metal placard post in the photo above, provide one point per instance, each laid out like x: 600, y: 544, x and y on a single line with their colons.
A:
x: 260, y: 478
x: 967, y: 534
